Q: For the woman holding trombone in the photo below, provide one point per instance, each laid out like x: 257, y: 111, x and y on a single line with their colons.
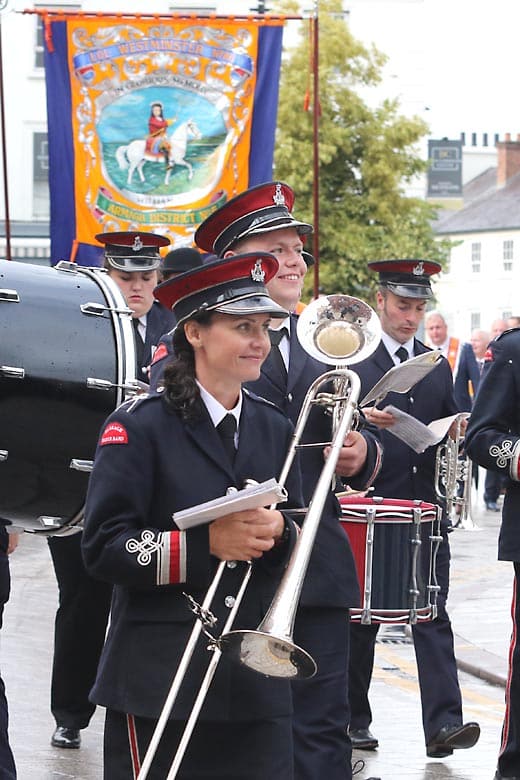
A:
x: 164, y: 453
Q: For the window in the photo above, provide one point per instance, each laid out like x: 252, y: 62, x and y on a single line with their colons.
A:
x: 476, y: 249
x: 507, y: 255
x: 38, y: 48
x: 40, y: 176
x: 475, y: 320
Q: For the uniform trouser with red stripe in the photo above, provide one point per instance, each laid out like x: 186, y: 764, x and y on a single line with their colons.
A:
x: 509, y: 756
x: 256, y: 750
x: 436, y: 666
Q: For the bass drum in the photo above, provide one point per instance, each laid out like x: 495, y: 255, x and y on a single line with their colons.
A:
x: 67, y: 360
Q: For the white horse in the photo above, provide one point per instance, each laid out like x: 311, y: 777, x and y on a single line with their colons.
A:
x: 134, y: 155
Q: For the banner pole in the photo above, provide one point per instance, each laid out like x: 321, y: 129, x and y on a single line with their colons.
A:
x: 316, y: 153
x: 4, y: 155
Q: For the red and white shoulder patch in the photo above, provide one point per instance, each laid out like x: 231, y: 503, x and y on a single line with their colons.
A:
x: 488, y: 356
x: 114, y: 433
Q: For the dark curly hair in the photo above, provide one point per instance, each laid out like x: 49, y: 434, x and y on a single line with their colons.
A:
x: 181, y: 391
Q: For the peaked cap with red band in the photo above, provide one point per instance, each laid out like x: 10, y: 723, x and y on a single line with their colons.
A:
x: 132, y: 250
x: 257, y: 210
x: 406, y: 278
x: 235, y: 285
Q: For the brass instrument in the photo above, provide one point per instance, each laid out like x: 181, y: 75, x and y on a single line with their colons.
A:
x: 336, y: 329
x: 453, y: 472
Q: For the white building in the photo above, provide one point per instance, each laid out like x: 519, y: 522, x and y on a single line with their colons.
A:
x: 483, y: 278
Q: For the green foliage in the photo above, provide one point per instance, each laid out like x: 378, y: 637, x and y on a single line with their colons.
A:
x: 367, y: 155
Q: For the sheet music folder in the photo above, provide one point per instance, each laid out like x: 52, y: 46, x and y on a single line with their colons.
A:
x: 250, y: 497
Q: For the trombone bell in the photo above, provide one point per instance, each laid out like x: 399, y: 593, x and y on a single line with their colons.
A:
x: 267, y: 654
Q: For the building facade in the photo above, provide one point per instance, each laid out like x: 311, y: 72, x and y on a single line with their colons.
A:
x: 481, y: 281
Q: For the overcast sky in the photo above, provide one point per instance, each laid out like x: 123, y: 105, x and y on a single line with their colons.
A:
x: 454, y: 62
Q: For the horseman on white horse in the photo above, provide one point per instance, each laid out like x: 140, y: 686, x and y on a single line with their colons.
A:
x: 157, y: 141
x: 171, y: 148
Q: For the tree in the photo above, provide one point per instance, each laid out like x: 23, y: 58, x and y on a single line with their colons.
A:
x: 366, y: 157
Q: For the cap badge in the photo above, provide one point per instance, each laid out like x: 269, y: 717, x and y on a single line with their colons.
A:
x: 257, y: 272
x: 278, y: 197
x: 418, y: 270
x: 137, y: 245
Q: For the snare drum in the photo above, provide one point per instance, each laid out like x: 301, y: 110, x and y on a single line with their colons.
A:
x: 394, y: 543
x: 67, y: 359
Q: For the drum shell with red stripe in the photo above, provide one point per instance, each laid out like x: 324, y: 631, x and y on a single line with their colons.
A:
x: 394, y: 543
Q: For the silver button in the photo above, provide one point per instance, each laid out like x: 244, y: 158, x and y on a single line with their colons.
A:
x: 411, y: 399
x: 229, y: 601
x: 414, y: 469
x: 290, y: 397
x: 231, y: 564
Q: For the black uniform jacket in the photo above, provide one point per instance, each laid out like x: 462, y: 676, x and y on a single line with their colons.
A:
x: 468, y: 371
x: 159, y: 321
x: 405, y: 473
x: 493, y: 434
x: 148, y: 465
x: 331, y: 579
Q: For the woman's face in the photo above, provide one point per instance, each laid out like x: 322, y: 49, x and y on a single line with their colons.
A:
x: 137, y: 288
x: 156, y: 110
x: 229, y: 350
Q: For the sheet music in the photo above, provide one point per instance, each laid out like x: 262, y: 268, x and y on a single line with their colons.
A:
x: 402, y: 378
x: 416, y: 434
x: 250, y: 497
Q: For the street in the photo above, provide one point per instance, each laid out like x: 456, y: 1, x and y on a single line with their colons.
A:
x: 479, y: 607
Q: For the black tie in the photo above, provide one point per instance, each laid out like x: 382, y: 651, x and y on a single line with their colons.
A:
x: 276, y: 336
x: 402, y: 354
x: 139, y: 344
x: 226, y: 429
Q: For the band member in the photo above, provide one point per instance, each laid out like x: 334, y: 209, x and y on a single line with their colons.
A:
x: 404, y: 289
x: 163, y: 453
x: 260, y: 219
x: 180, y: 260
x: 8, y: 543
x: 132, y: 260
x: 493, y: 441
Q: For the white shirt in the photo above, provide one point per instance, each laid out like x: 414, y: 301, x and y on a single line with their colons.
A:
x: 392, y: 346
x: 283, y: 346
x: 141, y: 328
x: 217, y: 412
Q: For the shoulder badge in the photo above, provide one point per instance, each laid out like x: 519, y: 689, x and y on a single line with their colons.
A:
x: 114, y: 433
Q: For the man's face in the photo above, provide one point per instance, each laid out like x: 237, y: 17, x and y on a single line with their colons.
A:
x: 286, y: 286
x: 498, y: 327
x: 400, y: 317
x: 479, y: 342
x: 436, y: 330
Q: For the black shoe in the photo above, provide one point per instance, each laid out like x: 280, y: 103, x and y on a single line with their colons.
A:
x: 499, y: 776
x: 66, y: 738
x: 452, y: 738
x: 492, y: 506
x: 363, y: 739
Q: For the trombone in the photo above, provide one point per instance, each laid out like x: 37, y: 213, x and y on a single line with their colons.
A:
x: 337, y: 329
